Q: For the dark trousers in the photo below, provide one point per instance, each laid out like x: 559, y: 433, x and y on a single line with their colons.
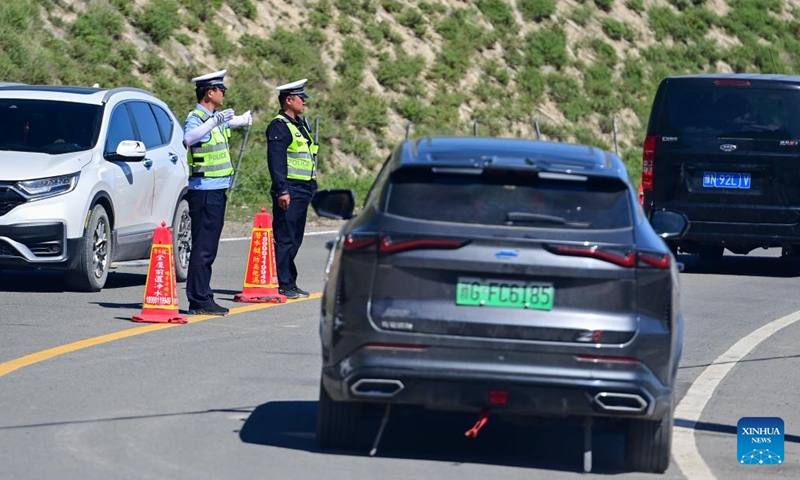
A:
x: 207, y: 210
x: 288, y: 228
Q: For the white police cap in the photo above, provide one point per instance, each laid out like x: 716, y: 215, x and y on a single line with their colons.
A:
x: 294, y: 88
x: 213, y: 79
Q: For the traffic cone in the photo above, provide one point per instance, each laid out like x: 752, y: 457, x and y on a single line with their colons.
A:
x: 161, y: 291
x: 261, y: 277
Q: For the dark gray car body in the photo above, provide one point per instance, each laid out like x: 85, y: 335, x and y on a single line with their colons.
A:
x: 391, y: 330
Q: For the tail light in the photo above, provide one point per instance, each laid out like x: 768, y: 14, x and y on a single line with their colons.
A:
x: 730, y: 81
x: 623, y: 257
x: 359, y: 242
x: 648, y: 158
x: 390, y: 245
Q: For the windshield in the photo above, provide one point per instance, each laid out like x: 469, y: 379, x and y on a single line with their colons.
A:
x: 510, y: 199
x: 731, y: 112
x: 47, y: 126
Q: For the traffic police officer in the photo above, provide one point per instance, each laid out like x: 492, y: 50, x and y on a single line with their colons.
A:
x: 211, y: 171
x: 292, y: 161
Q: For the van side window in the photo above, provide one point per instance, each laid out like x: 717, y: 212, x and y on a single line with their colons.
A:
x: 146, y: 124
x: 164, y: 123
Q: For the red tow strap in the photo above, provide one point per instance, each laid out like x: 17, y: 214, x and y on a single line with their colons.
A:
x: 483, y: 417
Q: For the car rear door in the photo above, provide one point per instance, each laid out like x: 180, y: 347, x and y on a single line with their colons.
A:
x: 489, y: 256
x: 169, y: 173
x: 728, y: 151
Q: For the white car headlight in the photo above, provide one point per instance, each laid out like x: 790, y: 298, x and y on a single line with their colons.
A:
x: 49, y: 187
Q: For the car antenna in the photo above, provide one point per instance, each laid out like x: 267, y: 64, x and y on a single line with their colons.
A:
x: 773, y: 62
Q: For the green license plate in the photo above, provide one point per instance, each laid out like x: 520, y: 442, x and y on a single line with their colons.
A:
x: 504, y: 293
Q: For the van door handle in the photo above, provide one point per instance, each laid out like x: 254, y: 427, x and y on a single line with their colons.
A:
x: 173, y: 158
x: 147, y: 162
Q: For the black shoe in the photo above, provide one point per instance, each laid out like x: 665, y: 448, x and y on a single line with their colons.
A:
x: 289, y: 293
x: 212, y: 309
x: 301, y: 292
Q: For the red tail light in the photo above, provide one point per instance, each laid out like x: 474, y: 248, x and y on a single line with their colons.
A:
x: 388, y: 245
x: 740, y: 83
x: 359, y: 242
x: 627, y: 259
x: 648, y: 158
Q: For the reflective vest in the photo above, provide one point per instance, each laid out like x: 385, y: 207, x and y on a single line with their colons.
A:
x: 301, y: 156
x: 211, y: 158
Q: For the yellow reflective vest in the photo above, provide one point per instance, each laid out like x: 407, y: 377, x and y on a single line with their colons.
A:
x: 301, y: 156
x: 211, y: 158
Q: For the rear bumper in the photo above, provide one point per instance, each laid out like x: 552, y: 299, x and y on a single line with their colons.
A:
x: 530, y: 388
x: 766, y: 234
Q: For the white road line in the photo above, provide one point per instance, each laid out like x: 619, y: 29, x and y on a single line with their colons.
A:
x: 684, y: 441
x: 307, y: 234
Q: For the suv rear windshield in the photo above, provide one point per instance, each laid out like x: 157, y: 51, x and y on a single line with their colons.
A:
x: 729, y: 112
x: 510, y: 198
x: 46, y: 126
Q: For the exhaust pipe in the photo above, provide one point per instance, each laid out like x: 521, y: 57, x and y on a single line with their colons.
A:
x: 377, y: 387
x: 620, y: 402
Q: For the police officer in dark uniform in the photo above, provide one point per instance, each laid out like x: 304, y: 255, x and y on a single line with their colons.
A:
x: 292, y: 161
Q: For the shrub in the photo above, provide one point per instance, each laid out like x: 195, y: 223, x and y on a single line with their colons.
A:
x: 411, y: 18
x: 320, y: 13
x: 546, y: 47
x: 243, y: 8
x: 582, y: 14
x: 636, y: 5
x: 411, y: 109
x: 499, y: 14
x: 159, y: 19
x: 604, y: 5
x: 395, y: 74
x: 536, y: 10
x: 617, y: 30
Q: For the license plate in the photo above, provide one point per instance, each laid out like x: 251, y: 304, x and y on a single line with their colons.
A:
x: 504, y: 293
x: 726, y: 180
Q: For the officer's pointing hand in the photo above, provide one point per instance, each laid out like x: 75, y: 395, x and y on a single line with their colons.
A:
x: 283, y: 201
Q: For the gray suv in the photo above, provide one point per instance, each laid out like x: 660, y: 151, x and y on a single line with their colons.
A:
x: 503, y: 276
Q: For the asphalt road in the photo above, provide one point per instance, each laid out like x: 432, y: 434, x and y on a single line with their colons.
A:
x: 235, y: 397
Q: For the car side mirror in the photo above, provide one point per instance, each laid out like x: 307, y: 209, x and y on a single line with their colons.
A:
x: 128, y: 151
x: 669, y: 224
x: 336, y: 203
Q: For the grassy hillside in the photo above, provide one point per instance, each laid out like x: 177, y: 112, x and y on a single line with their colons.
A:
x: 380, y: 68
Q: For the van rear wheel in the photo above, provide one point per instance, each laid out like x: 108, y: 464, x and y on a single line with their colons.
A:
x: 648, y: 444
x: 338, y: 422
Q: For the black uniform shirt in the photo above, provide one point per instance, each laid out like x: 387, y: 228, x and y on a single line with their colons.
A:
x: 278, y: 140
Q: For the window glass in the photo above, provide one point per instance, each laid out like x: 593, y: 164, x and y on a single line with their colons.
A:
x: 47, y: 126
x: 146, y: 123
x: 164, y: 123
x: 510, y: 199
x: 730, y: 112
x: 119, y: 129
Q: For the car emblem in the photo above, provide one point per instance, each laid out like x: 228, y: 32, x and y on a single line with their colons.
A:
x: 727, y: 147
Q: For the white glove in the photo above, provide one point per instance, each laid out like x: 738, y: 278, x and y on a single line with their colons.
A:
x: 224, y: 116
x: 196, y: 134
x: 240, y: 120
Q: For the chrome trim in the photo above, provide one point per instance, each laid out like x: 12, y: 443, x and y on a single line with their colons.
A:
x: 354, y: 389
x: 598, y: 399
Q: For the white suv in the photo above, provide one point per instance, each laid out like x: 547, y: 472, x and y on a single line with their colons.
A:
x: 86, y: 175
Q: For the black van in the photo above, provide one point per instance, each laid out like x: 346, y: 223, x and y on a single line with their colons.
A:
x: 724, y: 149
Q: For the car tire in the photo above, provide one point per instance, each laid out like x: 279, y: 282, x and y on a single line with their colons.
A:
x: 94, y: 260
x: 182, y: 240
x: 338, y: 422
x: 648, y: 444
x: 711, y: 253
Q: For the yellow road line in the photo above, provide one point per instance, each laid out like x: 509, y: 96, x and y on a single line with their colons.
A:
x: 27, y: 360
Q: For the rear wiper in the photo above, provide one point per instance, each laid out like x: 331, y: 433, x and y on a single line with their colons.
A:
x: 524, y: 217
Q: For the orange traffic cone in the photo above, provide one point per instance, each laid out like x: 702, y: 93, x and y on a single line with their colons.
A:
x: 261, y: 277
x: 161, y: 292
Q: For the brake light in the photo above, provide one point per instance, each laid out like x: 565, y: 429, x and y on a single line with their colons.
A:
x: 358, y: 242
x: 387, y: 245
x: 628, y: 259
x: 648, y: 158
x: 740, y: 83
x: 656, y: 260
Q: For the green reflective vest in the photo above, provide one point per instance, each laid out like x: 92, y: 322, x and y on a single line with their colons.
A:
x: 301, y: 156
x: 211, y: 158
